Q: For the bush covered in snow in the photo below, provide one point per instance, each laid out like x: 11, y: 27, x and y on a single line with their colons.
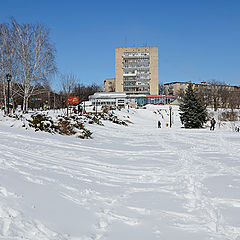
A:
x: 43, y: 122
x: 112, y: 118
x: 61, y: 124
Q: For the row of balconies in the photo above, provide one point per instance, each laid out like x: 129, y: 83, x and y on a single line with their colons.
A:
x: 135, y: 67
x: 136, y: 90
x: 142, y: 78
x: 136, y: 54
x: 143, y: 73
x: 135, y: 83
x: 135, y: 57
x: 137, y: 60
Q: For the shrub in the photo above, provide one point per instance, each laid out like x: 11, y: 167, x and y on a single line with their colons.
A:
x: 228, y: 116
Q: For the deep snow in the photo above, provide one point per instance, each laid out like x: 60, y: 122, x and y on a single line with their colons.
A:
x: 135, y: 182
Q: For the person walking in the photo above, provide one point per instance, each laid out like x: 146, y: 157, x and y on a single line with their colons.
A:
x: 80, y: 109
x: 213, y: 122
x: 159, y: 124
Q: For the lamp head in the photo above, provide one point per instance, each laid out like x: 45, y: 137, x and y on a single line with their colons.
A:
x: 9, y: 77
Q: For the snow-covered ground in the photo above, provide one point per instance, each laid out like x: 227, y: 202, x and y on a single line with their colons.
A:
x: 128, y: 182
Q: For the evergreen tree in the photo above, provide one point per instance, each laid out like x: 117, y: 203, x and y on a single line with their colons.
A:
x: 193, y: 113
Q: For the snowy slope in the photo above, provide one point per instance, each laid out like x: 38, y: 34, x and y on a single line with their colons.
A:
x: 134, y: 182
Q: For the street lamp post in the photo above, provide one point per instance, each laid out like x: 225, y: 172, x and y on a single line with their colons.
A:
x: 170, y: 116
x: 9, y: 78
x: 96, y: 106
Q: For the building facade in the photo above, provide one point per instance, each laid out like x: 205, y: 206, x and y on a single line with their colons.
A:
x: 177, y: 88
x: 109, y: 85
x: 136, y: 70
x: 142, y: 100
x: 121, y: 99
x: 116, y: 99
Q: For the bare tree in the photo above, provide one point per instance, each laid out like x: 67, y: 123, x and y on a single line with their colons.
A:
x: 180, y: 93
x: 216, y: 90
x: 161, y: 88
x: 234, y: 98
x: 7, y: 58
x: 224, y: 91
x: 84, y: 91
x: 35, y: 57
x: 68, y: 83
x: 204, y: 93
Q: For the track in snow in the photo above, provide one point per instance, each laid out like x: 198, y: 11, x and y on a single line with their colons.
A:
x: 135, y: 182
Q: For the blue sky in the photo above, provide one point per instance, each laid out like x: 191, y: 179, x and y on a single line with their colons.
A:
x: 198, y: 40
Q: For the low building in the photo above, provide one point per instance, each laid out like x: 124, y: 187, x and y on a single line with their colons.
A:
x: 121, y: 99
x: 142, y: 100
x: 175, y: 88
x: 115, y: 99
x: 178, y: 88
x: 109, y: 85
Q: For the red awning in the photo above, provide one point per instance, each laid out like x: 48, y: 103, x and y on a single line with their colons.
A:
x: 154, y: 95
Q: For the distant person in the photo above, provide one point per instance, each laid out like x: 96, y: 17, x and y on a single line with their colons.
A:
x: 79, y: 109
x: 159, y: 124
x: 213, y: 122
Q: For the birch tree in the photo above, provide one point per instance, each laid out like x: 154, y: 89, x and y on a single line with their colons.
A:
x: 35, y: 58
x: 7, y: 58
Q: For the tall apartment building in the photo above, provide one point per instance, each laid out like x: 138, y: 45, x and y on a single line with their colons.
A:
x: 136, y: 70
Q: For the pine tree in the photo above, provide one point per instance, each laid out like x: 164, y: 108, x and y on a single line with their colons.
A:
x: 193, y: 113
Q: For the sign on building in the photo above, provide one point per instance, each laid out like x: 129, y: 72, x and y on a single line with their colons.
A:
x: 73, y: 100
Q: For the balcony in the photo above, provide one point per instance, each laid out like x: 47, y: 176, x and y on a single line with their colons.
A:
x: 129, y: 74
x: 137, y: 92
x: 135, y: 57
x: 136, y: 68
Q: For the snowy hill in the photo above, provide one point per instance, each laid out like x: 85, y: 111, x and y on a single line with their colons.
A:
x: 128, y: 182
